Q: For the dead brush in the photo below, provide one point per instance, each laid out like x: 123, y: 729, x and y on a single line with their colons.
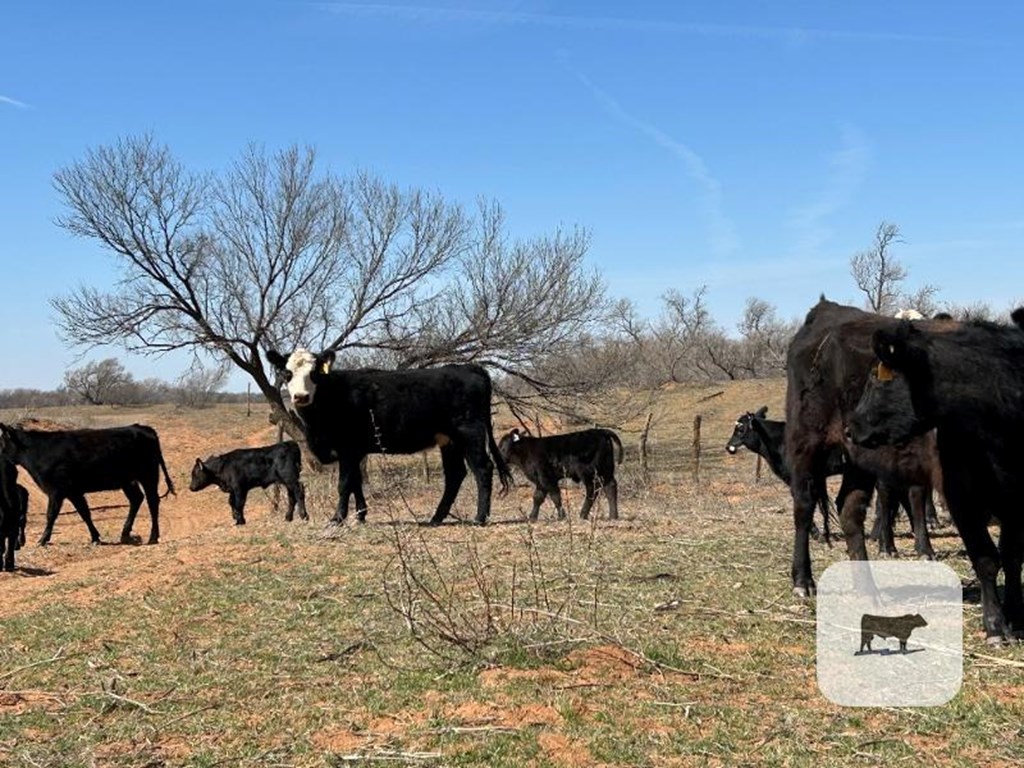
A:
x: 461, y: 604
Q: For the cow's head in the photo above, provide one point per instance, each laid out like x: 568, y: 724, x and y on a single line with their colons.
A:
x: 894, y: 406
x: 202, y: 476
x: 918, y: 620
x: 744, y: 434
x: 302, y: 370
x: 8, y: 443
x: 508, y: 440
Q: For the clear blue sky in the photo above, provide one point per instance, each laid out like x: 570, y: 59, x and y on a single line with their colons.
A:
x: 751, y: 146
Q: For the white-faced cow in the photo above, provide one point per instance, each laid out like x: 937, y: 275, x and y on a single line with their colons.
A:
x: 966, y: 381
x: 238, y: 472
x: 68, y: 464
x: 827, y: 365
x: 348, y: 414
x: 586, y: 457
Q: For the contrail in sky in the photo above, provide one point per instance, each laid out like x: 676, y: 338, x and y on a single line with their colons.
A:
x: 13, y: 102
x: 422, y: 13
x: 723, y: 234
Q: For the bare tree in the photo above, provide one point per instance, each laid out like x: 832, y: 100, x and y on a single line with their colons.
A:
x: 877, y: 272
x: 276, y: 253
x: 100, y: 383
x: 879, y: 276
x: 197, y: 386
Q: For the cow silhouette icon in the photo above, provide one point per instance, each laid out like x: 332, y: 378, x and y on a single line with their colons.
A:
x: 899, y: 627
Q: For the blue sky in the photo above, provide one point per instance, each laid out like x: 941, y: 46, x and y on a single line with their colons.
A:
x: 748, y: 146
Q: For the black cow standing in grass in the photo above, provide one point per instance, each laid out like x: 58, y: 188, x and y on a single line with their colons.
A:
x: 68, y: 464
x: 766, y: 438
x: 899, y: 627
x: 238, y: 472
x: 349, y: 414
x: 827, y: 365
x: 966, y: 381
x: 586, y: 457
x: 13, y: 513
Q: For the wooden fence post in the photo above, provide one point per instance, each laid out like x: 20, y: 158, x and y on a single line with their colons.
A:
x: 696, y: 449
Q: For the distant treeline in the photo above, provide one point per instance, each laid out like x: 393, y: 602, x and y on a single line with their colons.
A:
x: 143, y: 393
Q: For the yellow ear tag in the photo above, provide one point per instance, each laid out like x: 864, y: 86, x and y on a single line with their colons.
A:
x: 884, y: 372
x: 325, y: 367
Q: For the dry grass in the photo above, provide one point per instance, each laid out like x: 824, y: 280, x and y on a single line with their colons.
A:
x: 666, y: 638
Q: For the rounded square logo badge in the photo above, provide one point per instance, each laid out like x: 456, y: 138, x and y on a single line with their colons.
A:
x: 890, y: 633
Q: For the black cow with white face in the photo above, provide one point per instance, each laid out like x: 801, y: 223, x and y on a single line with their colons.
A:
x: 348, y: 414
x: 587, y: 457
x: 965, y: 381
x: 68, y: 464
x: 238, y: 472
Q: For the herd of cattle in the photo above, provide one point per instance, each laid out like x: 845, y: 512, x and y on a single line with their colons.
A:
x: 899, y: 407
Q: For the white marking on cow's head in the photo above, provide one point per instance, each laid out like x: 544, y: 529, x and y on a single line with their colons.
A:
x: 731, y: 448
x: 302, y: 369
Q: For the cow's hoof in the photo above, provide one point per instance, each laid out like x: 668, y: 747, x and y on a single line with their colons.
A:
x: 240, y: 522
x: 804, y: 592
x: 95, y: 543
x: 995, y: 641
x: 434, y: 522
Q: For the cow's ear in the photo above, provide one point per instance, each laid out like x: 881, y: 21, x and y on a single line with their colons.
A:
x: 891, y: 349
x: 199, y: 464
x: 276, y: 359
x: 762, y: 412
x: 324, y: 361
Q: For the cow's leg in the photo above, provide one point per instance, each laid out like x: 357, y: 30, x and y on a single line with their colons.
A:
x: 931, y: 515
x: 917, y: 496
x: 135, y: 497
x: 856, y: 493
x: 555, y: 493
x: 9, y: 542
x: 804, y: 500
x: 611, y: 492
x: 971, y: 519
x: 483, y: 470
x: 237, y: 497
x: 300, y: 498
x: 454, y: 465
x: 539, y: 494
x: 52, y: 510
x: 82, y: 507
x: 886, y: 508
x: 151, y: 486
x: 1011, y: 549
x: 590, y: 494
x: 349, y: 475
x: 296, y: 496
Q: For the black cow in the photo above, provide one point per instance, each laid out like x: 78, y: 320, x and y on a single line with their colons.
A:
x: 68, y: 464
x: 349, y: 414
x: 827, y: 365
x: 13, y: 513
x: 966, y: 380
x: 238, y: 472
x: 767, y: 438
x: 899, y: 627
x: 586, y: 457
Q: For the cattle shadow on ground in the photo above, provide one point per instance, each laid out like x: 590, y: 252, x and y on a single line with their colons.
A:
x: 888, y: 652
x: 30, y: 573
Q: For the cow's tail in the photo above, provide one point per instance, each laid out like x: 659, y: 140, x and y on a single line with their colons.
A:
x: 504, y: 473
x: 167, y: 475
x: 615, y: 439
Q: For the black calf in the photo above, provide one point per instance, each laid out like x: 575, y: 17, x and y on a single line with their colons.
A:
x: 238, y: 472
